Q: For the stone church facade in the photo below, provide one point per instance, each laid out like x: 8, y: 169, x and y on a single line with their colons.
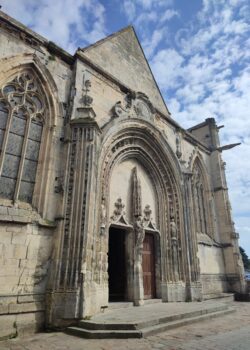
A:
x: 103, y: 196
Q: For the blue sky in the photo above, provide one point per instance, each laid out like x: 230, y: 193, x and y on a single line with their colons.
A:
x: 199, y: 52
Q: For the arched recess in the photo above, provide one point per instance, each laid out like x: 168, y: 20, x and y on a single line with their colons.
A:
x: 27, y: 85
x: 201, y: 194
x: 140, y: 140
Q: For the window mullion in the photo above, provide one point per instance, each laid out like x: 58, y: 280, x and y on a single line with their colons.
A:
x: 5, y: 139
x: 21, y: 165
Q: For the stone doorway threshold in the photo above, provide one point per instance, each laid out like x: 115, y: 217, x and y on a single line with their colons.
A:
x: 139, y: 322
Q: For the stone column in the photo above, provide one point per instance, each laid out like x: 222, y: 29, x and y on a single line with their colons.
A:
x: 138, y: 272
x: 139, y: 233
x: 193, y: 284
x: 65, y: 296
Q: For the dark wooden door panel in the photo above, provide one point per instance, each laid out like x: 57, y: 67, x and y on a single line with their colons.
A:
x: 148, y: 267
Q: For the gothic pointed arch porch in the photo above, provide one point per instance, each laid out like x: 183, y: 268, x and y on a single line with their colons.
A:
x: 140, y: 140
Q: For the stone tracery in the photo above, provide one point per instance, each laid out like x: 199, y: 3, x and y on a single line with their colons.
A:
x: 23, y: 111
x: 200, y: 200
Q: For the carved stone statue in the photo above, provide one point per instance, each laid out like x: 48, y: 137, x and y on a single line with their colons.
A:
x: 139, y: 232
x: 103, y: 216
x: 173, y: 229
x: 174, y: 246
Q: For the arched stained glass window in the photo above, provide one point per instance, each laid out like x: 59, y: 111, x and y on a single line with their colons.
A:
x: 22, y: 113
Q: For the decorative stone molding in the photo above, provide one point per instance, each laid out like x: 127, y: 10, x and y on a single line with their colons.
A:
x: 135, y: 105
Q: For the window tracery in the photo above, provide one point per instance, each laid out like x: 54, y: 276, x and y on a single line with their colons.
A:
x: 199, y: 199
x: 22, y: 115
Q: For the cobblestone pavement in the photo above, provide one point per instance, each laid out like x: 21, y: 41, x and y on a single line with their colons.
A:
x: 230, y: 332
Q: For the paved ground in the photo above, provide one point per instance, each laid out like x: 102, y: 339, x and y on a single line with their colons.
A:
x: 231, y: 332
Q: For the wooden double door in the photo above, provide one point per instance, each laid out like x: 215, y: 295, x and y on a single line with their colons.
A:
x: 148, y: 266
x: 117, y: 269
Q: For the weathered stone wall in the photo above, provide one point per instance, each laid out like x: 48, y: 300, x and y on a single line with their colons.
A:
x: 25, y: 254
x: 26, y: 235
x: 122, y: 57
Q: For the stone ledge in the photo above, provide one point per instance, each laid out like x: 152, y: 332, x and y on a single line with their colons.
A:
x: 21, y: 308
x: 23, y: 217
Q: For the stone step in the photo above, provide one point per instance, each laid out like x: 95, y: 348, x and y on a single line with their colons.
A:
x: 94, y: 330
x: 219, y: 296
x: 103, y: 334
x: 171, y: 325
x: 97, y: 325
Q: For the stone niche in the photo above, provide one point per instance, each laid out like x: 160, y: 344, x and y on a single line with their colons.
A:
x: 120, y: 187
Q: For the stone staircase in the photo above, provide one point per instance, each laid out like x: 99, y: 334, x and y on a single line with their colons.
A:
x: 140, y: 322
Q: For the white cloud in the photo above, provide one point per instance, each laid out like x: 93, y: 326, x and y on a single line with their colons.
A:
x: 167, y: 68
x: 149, y: 18
x: 208, y: 75
x: 151, y: 43
x: 129, y: 9
x: 61, y: 21
x: 168, y: 14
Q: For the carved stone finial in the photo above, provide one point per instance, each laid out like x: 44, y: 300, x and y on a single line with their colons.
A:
x: 86, y: 111
x: 86, y: 99
x: 178, y: 145
x: 147, y: 213
x: 147, y: 219
x: 136, y: 194
x: 119, y: 212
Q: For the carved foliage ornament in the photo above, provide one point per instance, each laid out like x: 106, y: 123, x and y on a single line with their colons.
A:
x: 135, y: 105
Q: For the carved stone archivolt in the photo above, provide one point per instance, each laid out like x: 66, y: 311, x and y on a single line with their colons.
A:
x: 138, y: 141
x: 135, y: 104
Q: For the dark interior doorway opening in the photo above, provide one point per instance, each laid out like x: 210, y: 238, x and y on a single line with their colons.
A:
x: 117, y: 265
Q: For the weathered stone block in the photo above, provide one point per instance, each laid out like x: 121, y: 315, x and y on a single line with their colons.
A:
x: 19, y: 237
